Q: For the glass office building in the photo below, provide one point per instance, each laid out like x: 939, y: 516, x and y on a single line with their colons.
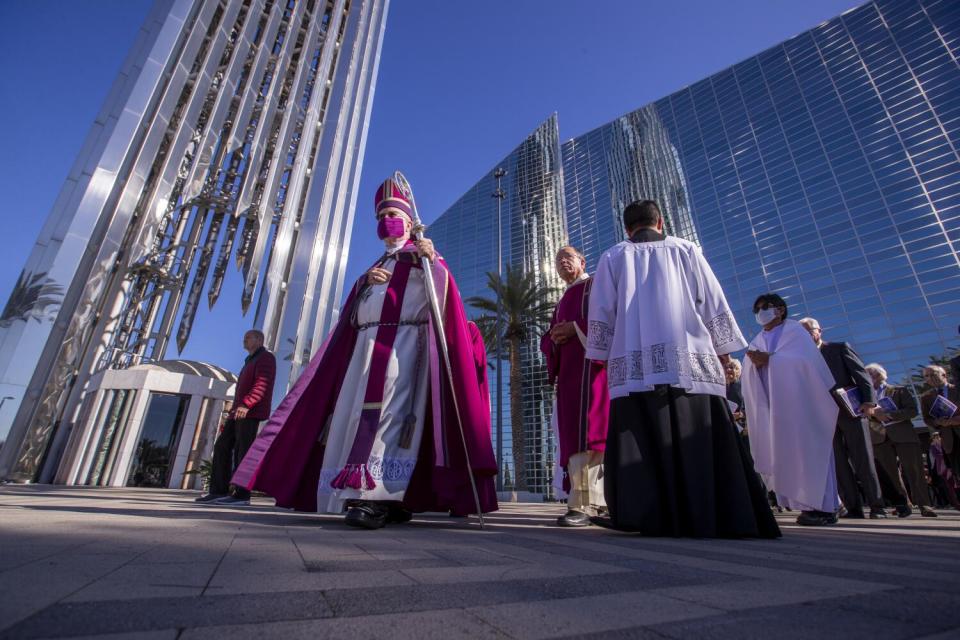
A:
x: 532, y: 231
x: 825, y: 169
x: 629, y: 159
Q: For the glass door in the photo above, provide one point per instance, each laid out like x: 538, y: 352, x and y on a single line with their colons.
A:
x: 154, y: 453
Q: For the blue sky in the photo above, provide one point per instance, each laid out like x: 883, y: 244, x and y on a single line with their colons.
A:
x: 461, y: 83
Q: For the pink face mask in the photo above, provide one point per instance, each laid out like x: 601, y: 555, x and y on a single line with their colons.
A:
x: 390, y: 228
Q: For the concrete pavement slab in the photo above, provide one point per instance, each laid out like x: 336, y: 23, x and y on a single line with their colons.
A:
x: 78, y: 562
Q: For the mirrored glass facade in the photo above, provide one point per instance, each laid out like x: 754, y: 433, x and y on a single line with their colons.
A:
x: 532, y: 231
x: 825, y: 169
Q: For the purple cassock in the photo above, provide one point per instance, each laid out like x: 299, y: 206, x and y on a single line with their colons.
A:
x: 583, y: 400
x: 286, y: 459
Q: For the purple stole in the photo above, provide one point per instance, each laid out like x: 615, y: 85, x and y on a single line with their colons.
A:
x: 355, y: 474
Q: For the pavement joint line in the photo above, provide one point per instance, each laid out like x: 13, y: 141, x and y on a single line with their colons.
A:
x: 49, y: 555
x: 106, y: 575
x: 831, y: 562
x: 680, y: 559
x: 487, y: 623
x: 216, y: 569
x: 330, y: 606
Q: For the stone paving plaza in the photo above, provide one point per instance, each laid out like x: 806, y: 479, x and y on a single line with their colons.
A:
x: 124, y: 563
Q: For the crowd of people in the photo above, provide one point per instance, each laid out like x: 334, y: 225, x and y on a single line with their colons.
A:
x: 660, y: 430
x: 871, y: 462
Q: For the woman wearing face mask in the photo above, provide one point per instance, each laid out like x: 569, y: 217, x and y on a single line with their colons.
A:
x: 786, y: 389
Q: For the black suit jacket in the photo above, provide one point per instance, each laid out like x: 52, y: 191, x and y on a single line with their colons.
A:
x: 848, y: 371
x: 900, y: 431
x: 955, y: 369
x: 947, y: 434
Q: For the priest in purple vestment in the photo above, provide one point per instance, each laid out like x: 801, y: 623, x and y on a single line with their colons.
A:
x: 370, y: 427
x: 582, y: 399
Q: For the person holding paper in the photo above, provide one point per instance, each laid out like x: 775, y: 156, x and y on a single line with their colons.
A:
x: 732, y: 372
x: 938, y: 406
x: 582, y: 405
x: 852, y: 451
x: 786, y: 391
x: 894, y: 439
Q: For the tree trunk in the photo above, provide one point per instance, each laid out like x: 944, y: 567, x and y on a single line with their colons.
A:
x: 516, y: 418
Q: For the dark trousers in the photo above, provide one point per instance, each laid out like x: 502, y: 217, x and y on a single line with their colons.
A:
x: 231, y: 445
x: 911, y: 463
x: 853, y: 455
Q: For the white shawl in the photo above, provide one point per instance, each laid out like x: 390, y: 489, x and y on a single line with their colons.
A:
x: 659, y: 316
x: 792, y: 427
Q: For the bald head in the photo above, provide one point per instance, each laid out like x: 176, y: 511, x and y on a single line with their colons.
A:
x: 570, y: 264
x: 253, y: 340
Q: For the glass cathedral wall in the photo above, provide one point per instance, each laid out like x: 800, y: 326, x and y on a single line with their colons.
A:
x: 532, y: 231
x: 825, y: 169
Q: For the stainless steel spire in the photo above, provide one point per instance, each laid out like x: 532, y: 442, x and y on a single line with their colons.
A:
x: 235, y: 129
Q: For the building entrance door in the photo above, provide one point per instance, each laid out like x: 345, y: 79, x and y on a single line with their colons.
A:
x: 155, y: 452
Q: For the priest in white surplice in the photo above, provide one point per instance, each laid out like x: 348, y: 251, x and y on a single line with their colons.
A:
x: 786, y: 389
x: 674, y: 464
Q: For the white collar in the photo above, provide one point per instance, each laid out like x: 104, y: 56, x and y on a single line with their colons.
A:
x: 583, y: 276
x: 396, y: 247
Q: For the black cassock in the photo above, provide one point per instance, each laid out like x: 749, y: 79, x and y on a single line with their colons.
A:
x: 676, y: 466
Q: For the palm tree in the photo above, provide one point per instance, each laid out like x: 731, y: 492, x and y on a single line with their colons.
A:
x: 34, y: 296
x: 527, y: 309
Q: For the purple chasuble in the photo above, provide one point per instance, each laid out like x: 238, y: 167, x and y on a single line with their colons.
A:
x: 583, y: 400
x: 286, y: 458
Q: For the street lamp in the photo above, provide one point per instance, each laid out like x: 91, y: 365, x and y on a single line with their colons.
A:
x: 499, y: 194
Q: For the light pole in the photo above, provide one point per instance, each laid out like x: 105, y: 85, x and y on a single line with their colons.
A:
x: 499, y: 194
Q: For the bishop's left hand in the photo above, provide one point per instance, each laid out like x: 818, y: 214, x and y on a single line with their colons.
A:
x: 425, y: 249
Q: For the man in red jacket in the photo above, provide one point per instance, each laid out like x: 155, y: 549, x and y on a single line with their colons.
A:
x: 251, y: 406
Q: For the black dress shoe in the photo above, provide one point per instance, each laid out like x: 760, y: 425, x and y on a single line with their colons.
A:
x: 603, y: 521
x: 398, y: 515
x: 927, y: 512
x: 816, y: 518
x: 904, y: 511
x: 877, y: 513
x: 367, y: 516
x: 854, y: 514
x: 573, y: 519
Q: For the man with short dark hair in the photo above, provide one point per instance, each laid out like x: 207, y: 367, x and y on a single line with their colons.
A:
x: 852, y: 451
x: 251, y: 405
x: 674, y: 464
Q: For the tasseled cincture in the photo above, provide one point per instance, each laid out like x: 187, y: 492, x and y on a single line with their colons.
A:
x: 354, y: 476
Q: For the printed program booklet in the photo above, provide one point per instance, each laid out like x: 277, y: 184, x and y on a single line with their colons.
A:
x: 888, y: 406
x: 850, y: 400
x: 942, y: 408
